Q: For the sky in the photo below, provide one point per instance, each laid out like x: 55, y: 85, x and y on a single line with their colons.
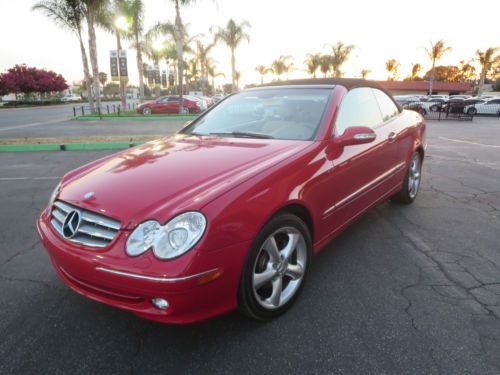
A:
x: 380, y: 30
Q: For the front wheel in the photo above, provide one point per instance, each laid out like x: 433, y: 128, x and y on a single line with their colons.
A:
x: 276, y: 267
x: 146, y: 111
x: 411, y: 182
x: 472, y: 111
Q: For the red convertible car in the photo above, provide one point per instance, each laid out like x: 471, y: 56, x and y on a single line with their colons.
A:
x: 169, y: 104
x: 229, y: 211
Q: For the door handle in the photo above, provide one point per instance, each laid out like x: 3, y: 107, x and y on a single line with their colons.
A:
x: 392, y: 137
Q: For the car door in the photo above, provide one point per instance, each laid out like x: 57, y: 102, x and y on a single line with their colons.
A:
x: 173, y: 104
x: 492, y: 107
x: 158, y: 106
x: 361, y: 174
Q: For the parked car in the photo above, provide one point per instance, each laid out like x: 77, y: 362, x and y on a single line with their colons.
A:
x: 414, y: 106
x: 229, y: 211
x: 169, y: 104
x: 463, y: 97
x: 485, y: 107
x: 71, y: 98
x: 217, y: 98
x: 434, y: 104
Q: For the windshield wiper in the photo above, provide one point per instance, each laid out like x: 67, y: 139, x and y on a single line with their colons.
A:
x: 245, y: 135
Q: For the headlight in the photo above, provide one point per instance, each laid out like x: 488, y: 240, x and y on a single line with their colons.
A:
x: 168, y: 241
x: 53, y: 197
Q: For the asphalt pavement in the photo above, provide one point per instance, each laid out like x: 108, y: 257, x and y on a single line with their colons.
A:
x: 56, y: 121
x: 406, y: 289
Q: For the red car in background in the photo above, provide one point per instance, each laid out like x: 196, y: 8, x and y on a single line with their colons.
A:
x: 229, y: 211
x: 169, y: 104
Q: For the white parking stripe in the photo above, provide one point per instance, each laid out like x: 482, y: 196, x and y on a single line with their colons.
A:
x: 34, y: 124
x: 469, y: 142
x: 28, y: 178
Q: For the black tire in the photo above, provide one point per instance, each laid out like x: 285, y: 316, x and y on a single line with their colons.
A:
x: 472, y: 111
x: 434, y: 108
x: 405, y: 195
x: 146, y: 111
x: 247, y: 301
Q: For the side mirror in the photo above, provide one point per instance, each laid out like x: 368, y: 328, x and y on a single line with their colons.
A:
x: 355, y: 135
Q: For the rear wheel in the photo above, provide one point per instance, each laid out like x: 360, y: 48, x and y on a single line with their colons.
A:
x: 411, y: 182
x: 472, y: 111
x: 276, y: 268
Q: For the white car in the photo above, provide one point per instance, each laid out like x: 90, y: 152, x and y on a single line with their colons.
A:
x: 487, y: 107
x: 71, y: 98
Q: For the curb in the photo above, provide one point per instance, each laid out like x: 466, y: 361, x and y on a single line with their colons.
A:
x: 136, y: 118
x: 69, y: 146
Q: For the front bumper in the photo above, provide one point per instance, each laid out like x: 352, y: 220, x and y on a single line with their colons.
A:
x: 130, y: 283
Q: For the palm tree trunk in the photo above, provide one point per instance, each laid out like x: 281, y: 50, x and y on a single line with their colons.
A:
x: 262, y: 79
x: 138, y: 57
x: 481, y: 81
x: 93, y: 57
x: 179, y: 43
x: 203, y: 79
x: 86, y: 73
x: 431, y: 82
x: 123, y: 99
x: 233, y: 71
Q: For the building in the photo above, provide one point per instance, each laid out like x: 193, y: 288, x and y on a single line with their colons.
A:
x: 422, y: 87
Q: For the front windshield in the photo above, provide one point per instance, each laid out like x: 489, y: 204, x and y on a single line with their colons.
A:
x: 281, y: 113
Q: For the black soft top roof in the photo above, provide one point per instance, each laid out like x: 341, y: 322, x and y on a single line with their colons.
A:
x: 348, y: 83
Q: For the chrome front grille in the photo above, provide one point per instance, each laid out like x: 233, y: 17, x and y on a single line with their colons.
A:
x: 93, y: 230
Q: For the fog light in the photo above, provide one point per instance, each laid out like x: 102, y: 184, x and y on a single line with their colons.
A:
x: 160, y: 303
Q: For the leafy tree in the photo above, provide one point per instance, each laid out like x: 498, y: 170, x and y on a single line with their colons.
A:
x: 449, y: 73
x: 111, y: 89
x: 103, y: 78
x: 467, y: 71
x: 27, y: 80
x: 233, y: 34
x: 70, y: 15
x: 392, y: 66
x: 487, y: 59
x: 435, y: 53
x: 262, y: 70
x: 312, y: 62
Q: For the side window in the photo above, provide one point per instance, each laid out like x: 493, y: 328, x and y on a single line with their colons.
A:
x: 358, y: 108
x: 387, y: 106
x: 173, y: 99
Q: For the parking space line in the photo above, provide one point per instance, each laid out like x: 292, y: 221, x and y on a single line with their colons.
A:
x: 469, y: 142
x: 34, y: 124
x: 29, y: 178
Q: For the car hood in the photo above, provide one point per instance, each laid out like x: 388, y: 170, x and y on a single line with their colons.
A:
x: 162, y: 178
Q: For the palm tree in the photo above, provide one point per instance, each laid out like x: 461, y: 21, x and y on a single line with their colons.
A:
x: 201, y: 53
x: 169, y: 29
x: 281, y: 65
x: 466, y: 71
x: 91, y: 9
x: 365, y: 72
x: 232, y: 35
x: 70, y: 14
x: 133, y: 11
x: 313, y: 62
x: 211, y: 71
x: 415, y: 69
x: 487, y: 59
x: 435, y: 53
x: 340, y: 54
x: 325, y: 64
x: 107, y: 20
x: 262, y: 70
x: 179, y: 39
x: 392, y: 66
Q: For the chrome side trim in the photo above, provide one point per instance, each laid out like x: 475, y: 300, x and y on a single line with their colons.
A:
x: 365, y: 187
x: 152, y: 278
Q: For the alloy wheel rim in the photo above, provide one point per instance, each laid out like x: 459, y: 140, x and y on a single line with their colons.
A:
x: 279, y: 268
x: 414, y: 176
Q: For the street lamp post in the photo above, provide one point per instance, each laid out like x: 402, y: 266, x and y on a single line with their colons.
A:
x: 121, y: 24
